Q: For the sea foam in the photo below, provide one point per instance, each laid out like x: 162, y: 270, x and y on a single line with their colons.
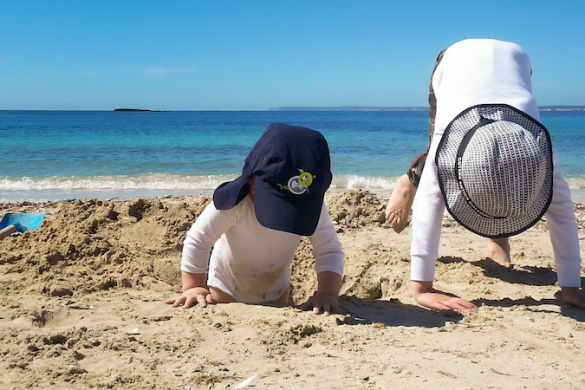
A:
x: 149, y: 182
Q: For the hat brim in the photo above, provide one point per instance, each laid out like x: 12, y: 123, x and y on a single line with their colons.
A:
x: 230, y: 193
x: 288, y: 214
x: 460, y: 208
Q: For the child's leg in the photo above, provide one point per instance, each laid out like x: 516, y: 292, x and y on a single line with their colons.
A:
x: 219, y: 296
x: 285, y: 296
x: 499, y: 251
x: 400, y: 203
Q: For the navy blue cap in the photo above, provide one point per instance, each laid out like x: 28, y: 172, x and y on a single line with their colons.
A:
x: 292, y: 168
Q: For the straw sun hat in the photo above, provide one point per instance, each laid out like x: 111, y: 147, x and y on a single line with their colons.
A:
x: 495, y: 170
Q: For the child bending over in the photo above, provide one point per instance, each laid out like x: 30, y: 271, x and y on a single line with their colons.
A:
x: 255, y: 224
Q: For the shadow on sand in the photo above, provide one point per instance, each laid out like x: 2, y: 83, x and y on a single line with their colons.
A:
x: 393, y: 313
x: 516, y: 274
x: 534, y: 305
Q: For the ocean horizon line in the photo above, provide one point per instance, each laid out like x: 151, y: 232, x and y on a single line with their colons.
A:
x: 560, y: 107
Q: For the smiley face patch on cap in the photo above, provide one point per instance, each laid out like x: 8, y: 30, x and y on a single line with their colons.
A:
x: 300, y: 184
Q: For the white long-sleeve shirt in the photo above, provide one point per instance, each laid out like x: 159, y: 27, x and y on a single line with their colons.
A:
x: 251, y: 262
x: 485, y: 71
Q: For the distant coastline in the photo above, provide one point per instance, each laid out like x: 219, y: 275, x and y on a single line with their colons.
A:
x: 562, y: 108
x: 349, y: 108
x: 366, y: 108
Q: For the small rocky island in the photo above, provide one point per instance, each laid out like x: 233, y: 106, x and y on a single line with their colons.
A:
x: 131, y: 110
x: 136, y: 110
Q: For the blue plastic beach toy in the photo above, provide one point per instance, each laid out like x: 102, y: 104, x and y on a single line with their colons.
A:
x: 20, y: 223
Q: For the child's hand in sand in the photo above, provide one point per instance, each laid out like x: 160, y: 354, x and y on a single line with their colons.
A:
x: 322, y: 303
x: 325, y: 300
x: 573, y: 296
x: 192, y: 297
x: 425, y: 295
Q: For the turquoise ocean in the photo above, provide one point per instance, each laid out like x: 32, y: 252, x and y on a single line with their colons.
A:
x: 50, y: 155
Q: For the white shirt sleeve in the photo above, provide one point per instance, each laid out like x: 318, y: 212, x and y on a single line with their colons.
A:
x: 427, y: 217
x: 206, y: 230
x: 562, y: 227
x: 327, y: 249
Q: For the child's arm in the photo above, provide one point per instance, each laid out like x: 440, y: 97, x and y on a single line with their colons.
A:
x: 328, y: 265
x: 194, y: 291
x: 427, y: 216
x: 210, y: 225
x: 425, y: 295
x: 325, y: 299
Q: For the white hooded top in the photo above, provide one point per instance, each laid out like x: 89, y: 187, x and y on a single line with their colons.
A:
x: 485, y: 71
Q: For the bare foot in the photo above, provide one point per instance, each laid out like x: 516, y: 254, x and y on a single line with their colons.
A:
x: 400, y: 203
x: 499, y: 251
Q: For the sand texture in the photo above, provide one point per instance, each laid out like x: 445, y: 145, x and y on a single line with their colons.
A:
x: 82, y: 307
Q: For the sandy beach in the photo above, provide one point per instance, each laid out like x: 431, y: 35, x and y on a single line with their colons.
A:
x: 82, y: 307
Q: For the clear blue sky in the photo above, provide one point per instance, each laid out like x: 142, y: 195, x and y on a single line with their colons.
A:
x: 253, y: 55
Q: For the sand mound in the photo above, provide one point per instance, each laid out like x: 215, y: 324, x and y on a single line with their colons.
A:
x: 91, y: 245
